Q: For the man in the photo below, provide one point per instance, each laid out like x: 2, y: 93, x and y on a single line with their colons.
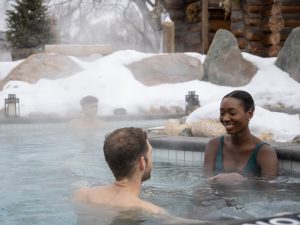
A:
x: 129, y: 156
x: 88, y: 120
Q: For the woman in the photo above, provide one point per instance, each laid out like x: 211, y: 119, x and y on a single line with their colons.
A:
x: 239, y: 154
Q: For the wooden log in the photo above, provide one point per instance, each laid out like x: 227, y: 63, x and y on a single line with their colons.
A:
x: 292, y: 23
x: 274, y: 9
x: 180, y: 27
x: 253, y: 8
x: 253, y: 19
x: 271, y: 39
x: 193, y: 39
x: 291, y: 8
x: 193, y: 48
x: 176, y: 14
x: 173, y: 4
x: 272, y: 51
x: 273, y: 24
x: 189, y: 1
x: 290, y: 2
x: 237, y: 16
x: 253, y: 33
x: 216, y: 14
x: 237, y: 29
x: 285, y: 32
x: 254, y: 47
x: 196, y: 27
x: 291, y: 20
x: 236, y: 6
x: 252, y: 2
x: 214, y: 25
x: 242, y: 42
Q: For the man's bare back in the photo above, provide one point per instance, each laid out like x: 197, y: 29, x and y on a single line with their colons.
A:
x: 113, y: 196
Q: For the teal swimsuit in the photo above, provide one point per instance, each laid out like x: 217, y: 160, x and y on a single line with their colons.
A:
x: 251, y: 168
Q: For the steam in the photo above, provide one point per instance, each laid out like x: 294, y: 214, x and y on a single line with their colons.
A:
x: 120, y: 23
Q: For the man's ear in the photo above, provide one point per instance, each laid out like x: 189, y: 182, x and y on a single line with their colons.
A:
x: 142, y: 163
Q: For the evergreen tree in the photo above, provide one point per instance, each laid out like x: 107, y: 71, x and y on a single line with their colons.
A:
x: 28, y: 24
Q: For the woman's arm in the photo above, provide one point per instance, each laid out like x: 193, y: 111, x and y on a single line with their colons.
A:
x: 209, y: 166
x: 210, y: 157
x: 268, y: 161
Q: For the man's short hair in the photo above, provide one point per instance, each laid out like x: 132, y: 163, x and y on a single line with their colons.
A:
x: 88, y: 99
x: 122, y: 148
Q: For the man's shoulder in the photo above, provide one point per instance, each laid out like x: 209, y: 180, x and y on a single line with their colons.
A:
x: 91, y: 193
x: 75, y: 123
x: 150, y: 207
x: 81, y: 194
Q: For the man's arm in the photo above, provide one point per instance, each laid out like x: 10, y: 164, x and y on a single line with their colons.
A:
x: 81, y: 194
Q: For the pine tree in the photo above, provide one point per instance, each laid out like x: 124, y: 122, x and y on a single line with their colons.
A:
x: 28, y: 24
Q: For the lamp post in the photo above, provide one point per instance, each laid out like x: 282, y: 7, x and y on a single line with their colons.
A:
x: 11, y: 106
x: 191, y: 102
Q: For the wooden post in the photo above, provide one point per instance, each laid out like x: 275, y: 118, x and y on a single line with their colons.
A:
x: 205, y: 31
x: 168, y: 36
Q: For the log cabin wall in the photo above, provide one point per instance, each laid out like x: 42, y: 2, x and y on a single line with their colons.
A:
x: 260, y: 26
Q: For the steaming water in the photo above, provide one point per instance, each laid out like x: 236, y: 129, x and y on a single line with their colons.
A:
x: 43, y: 164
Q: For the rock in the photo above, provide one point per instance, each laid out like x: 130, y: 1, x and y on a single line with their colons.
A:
x: 176, y: 109
x: 296, y: 139
x: 207, y: 128
x: 163, y: 110
x: 289, y: 56
x: 183, y: 120
x: 174, y: 128
x: 224, y: 63
x: 120, y: 111
x: 266, y: 136
x: 167, y: 68
x: 186, y: 132
x: 35, y: 67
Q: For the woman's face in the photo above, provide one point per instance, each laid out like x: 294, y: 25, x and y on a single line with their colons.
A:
x: 233, y: 115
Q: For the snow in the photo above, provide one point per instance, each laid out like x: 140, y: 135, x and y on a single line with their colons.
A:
x: 114, y: 85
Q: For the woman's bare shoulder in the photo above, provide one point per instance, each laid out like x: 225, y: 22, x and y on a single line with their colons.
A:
x: 214, y: 142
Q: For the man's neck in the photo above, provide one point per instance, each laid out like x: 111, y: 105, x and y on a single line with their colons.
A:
x: 132, y: 186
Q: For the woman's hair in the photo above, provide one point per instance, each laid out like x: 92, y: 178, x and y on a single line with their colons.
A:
x: 244, y: 97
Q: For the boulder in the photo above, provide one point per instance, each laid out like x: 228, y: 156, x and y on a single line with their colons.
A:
x: 289, y: 56
x: 120, y: 111
x: 224, y: 63
x: 164, y: 110
x: 207, y: 128
x: 174, y: 128
x: 167, y: 68
x: 38, y: 66
x: 296, y: 139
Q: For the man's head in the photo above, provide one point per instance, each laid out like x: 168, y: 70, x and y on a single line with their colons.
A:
x: 126, y: 150
x: 89, y: 105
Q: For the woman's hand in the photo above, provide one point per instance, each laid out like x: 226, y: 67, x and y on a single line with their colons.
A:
x: 227, y: 178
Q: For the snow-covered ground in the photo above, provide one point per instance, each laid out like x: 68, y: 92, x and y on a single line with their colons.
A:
x: 114, y: 85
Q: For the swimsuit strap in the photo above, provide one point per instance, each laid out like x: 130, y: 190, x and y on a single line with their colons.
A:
x: 251, y: 166
x: 219, y: 158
